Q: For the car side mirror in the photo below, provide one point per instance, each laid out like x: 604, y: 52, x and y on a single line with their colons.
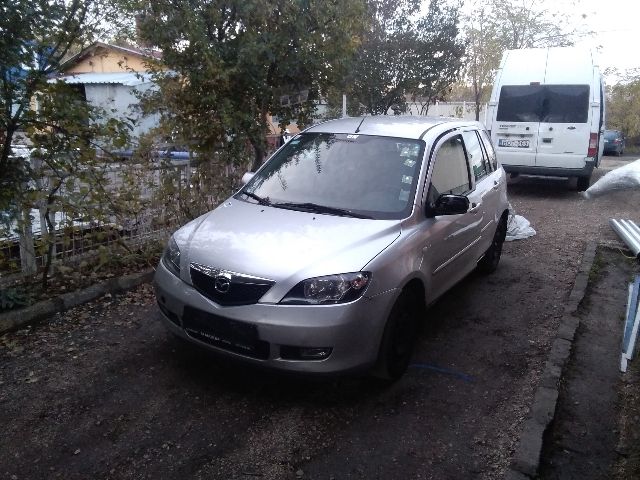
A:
x: 246, y: 177
x: 448, y: 204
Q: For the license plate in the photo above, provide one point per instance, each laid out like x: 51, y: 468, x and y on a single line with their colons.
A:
x: 504, y: 142
x: 224, y: 333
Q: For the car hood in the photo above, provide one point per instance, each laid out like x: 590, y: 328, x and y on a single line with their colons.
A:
x: 282, y: 245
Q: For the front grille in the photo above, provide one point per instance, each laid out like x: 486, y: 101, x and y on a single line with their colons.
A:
x: 242, y: 289
x: 225, y: 333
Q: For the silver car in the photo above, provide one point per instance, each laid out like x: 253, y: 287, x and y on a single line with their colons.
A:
x: 325, y: 259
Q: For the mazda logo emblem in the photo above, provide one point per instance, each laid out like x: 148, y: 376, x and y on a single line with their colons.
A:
x: 222, y: 283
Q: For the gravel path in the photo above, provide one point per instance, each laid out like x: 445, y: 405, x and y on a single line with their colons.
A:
x: 102, y: 391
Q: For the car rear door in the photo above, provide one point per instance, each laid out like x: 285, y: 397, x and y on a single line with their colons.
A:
x: 486, y: 184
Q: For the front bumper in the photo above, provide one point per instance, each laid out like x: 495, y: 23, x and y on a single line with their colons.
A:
x: 352, y: 331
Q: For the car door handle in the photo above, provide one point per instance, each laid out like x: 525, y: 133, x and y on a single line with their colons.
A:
x: 475, y: 208
x: 496, y: 185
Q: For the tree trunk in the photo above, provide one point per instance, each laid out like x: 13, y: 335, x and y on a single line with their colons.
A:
x: 258, y: 155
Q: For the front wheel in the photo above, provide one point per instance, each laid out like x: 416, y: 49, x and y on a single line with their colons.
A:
x: 491, y: 258
x: 399, y: 338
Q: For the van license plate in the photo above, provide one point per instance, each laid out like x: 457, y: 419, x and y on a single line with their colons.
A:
x: 503, y: 142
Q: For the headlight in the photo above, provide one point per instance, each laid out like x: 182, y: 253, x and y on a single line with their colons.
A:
x: 341, y: 288
x: 171, y: 257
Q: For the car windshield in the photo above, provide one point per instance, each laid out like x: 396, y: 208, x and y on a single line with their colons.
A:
x: 347, y: 174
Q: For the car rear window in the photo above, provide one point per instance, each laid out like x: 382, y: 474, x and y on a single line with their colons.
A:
x: 544, y: 103
x: 611, y: 134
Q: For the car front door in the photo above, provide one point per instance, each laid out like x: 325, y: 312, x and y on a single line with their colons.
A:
x: 451, y: 242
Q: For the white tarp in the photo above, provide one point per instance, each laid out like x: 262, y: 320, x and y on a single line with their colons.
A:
x: 518, y: 228
x: 621, y: 178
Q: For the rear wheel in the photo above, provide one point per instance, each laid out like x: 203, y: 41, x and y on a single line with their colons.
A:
x: 583, y: 183
x: 489, y: 262
x: 399, y: 337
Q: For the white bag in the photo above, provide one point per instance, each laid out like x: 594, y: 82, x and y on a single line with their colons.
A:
x: 621, y: 178
x: 518, y: 228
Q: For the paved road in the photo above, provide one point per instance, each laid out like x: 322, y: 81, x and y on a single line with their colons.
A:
x: 104, y: 392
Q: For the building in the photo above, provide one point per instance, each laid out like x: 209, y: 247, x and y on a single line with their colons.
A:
x: 113, y: 77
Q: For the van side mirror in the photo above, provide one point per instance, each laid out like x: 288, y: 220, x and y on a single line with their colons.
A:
x: 246, y: 177
x: 448, y: 204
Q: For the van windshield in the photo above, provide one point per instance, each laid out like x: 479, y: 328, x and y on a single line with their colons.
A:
x: 366, y: 176
x: 544, y: 103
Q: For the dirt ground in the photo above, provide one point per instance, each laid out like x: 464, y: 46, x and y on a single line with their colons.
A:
x: 104, y: 392
x: 589, y: 438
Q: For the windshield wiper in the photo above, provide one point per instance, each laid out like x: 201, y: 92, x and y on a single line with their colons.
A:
x: 315, y: 208
x: 258, y: 198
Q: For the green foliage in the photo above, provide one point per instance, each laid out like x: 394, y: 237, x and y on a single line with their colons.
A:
x: 623, y: 109
x: 403, y: 54
x: 230, y: 62
x: 66, y: 171
x: 36, y: 36
x: 13, y: 297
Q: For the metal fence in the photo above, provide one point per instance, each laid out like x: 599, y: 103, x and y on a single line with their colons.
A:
x: 140, y: 202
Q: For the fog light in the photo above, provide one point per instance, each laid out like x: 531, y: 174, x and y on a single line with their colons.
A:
x: 288, y: 352
x: 315, y: 353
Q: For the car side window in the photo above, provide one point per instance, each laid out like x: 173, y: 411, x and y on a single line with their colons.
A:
x: 450, y: 171
x: 479, y: 165
x: 491, y: 153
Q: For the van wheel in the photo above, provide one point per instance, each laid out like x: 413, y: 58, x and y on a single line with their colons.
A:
x: 491, y: 258
x: 583, y: 183
x: 398, y: 340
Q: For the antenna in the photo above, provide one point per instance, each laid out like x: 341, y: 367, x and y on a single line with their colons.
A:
x: 359, y: 125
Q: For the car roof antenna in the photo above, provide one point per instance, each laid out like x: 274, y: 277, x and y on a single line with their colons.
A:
x: 358, y: 129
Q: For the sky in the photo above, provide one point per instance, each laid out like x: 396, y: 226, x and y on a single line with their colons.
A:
x: 615, y: 27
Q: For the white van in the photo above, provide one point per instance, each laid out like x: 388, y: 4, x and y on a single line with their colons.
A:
x: 546, y: 113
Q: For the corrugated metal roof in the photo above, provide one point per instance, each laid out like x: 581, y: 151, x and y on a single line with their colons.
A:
x: 124, y: 78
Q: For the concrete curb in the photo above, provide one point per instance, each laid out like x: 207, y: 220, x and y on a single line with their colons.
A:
x: 526, y: 460
x: 28, y: 316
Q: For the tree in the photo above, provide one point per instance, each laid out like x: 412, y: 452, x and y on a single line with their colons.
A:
x: 231, y: 62
x: 484, y: 50
x: 400, y: 56
x: 498, y: 25
x: 623, y: 109
x: 439, y: 52
x: 35, y: 37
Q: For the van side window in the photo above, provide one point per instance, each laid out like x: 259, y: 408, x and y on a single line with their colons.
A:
x: 488, y: 146
x: 476, y: 157
x: 450, y: 171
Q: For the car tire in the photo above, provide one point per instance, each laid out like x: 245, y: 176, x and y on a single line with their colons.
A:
x: 491, y: 258
x: 583, y: 183
x: 398, y: 339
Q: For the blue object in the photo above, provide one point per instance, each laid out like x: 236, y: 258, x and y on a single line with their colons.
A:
x: 446, y: 371
x: 633, y: 309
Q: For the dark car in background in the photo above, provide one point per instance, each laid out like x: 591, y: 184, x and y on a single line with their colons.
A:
x: 613, y: 142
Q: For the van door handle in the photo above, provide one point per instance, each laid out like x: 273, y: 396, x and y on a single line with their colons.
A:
x: 571, y: 128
